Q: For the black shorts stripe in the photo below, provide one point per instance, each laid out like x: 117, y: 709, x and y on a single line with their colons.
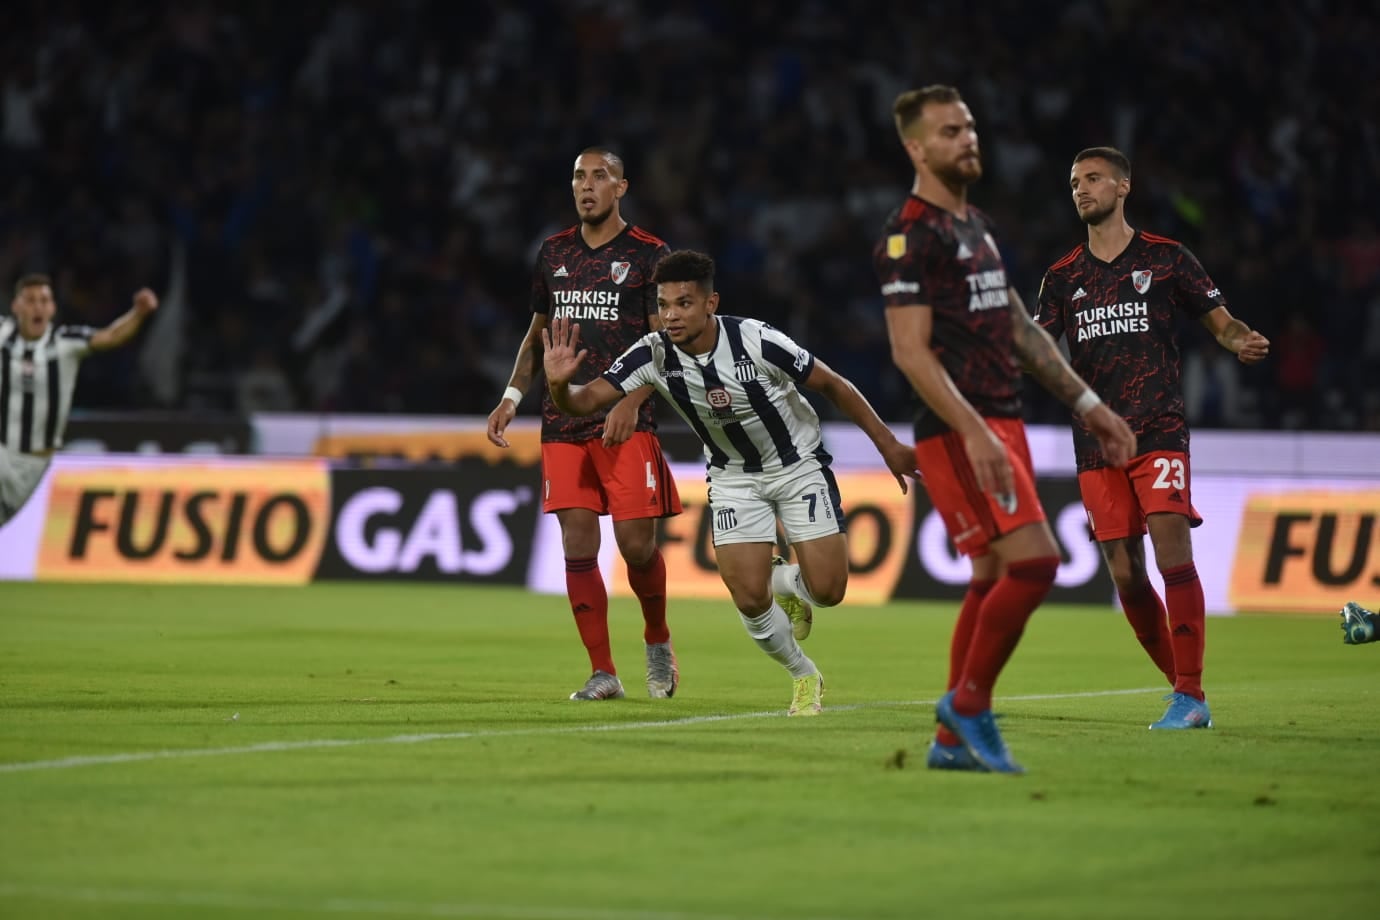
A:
x: 835, y: 498
x: 665, y: 484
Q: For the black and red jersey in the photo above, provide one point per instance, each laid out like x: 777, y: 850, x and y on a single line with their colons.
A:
x: 928, y: 256
x: 608, y: 291
x: 1120, y: 321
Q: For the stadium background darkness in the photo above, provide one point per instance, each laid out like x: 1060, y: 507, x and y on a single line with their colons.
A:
x: 340, y: 202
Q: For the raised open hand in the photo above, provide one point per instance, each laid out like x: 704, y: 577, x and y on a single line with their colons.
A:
x: 559, y: 358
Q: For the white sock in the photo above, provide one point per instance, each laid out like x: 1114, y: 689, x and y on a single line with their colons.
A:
x: 772, y: 633
x: 786, y: 579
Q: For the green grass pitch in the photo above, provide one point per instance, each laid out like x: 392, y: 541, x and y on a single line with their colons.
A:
x: 409, y: 751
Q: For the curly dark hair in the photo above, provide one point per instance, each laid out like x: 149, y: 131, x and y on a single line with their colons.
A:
x: 685, y: 265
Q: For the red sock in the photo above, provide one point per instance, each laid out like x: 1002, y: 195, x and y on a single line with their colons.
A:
x: 958, y: 644
x: 1001, y: 621
x: 649, y: 584
x: 1145, y: 613
x: 589, y: 601
x: 1183, y: 595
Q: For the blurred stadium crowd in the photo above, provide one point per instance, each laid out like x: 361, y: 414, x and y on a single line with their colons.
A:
x: 341, y: 201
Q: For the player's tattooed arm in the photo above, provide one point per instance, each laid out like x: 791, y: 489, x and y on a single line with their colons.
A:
x: 529, y: 358
x: 909, y: 329
x: 529, y: 355
x: 1040, y: 356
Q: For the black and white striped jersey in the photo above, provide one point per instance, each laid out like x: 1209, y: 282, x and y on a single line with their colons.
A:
x: 740, y: 397
x: 37, y: 380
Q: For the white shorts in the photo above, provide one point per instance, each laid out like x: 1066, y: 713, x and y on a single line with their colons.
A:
x: 19, y: 476
x: 746, y: 506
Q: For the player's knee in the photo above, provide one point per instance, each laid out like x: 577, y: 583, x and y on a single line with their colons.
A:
x: 637, y: 553
x: 751, y: 599
x: 1126, y: 570
x: 578, y: 538
x: 830, y: 593
x: 1039, y: 571
x: 1128, y: 581
x: 831, y: 598
x: 1172, y: 539
x: 636, y: 541
x: 579, y: 547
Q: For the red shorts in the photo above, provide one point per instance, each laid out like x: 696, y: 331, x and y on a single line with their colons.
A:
x: 628, y: 481
x: 1117, y: 501
x: 973, y: 518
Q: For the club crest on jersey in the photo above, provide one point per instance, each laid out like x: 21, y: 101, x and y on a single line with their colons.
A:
x: 619, y: 271
x: 1141, y: 281
x: 745, y: 370
x: 896, y: 245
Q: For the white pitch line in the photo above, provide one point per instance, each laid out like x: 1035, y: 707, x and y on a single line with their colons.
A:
x: 231, y: 901
x: 273, y: 747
